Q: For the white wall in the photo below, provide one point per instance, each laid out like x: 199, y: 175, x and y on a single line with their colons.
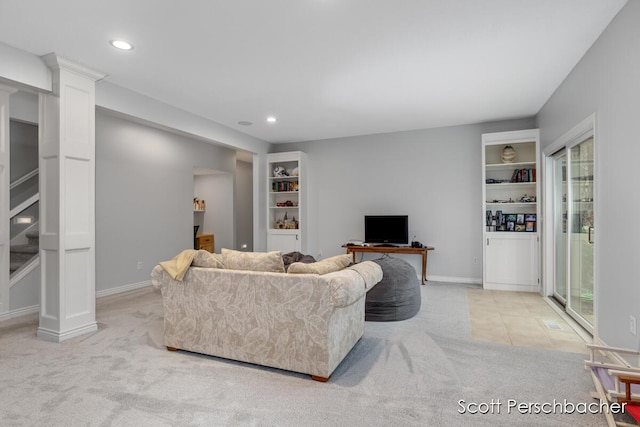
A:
x: 607, y: 82
x: 432, y: 175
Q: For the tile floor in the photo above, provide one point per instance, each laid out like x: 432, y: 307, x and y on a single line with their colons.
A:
x: 518, y: 318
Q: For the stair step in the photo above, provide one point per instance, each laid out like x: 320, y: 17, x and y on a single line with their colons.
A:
x: 13, y: 266
x: 33, y: 234
x: 25, y: 249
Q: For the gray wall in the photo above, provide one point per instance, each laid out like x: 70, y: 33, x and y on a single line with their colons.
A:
x: 219, y: 219
x: 24, y: 148
x: 432, y: 175
x: 244, y: 206
x: 144, y: 196
x: 607, y: 82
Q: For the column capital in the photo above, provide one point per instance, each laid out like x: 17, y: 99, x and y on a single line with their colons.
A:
x: 56, y: 63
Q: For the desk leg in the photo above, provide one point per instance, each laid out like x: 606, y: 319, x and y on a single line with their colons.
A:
x: 353, y: 254
x: 424, y: 267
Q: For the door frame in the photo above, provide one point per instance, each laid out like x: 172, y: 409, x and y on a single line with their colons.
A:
x: 577, y: 133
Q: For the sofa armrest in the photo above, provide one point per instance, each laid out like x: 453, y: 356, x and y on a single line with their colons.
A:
x: 346, y: 287
x: 370, y: 272
x: 159, y: 277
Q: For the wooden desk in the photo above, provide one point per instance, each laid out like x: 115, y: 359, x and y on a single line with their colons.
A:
x: 353, y: 249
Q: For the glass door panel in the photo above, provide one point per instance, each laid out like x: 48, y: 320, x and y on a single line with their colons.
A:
x: 581, y: 232
x: 559, y: 222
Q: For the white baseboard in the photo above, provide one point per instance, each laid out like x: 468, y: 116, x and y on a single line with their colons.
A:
x: 20, y: 312
x: 125, y: 288
x: 450, y: 279
x: 34, y: 309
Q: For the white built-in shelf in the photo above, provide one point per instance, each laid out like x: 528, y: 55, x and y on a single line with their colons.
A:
x: 510, y: 184
x: 511, y: 204
x: 505, y: 166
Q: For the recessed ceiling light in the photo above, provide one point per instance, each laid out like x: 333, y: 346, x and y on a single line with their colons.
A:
x: 244, y: 123
x: 271, y: 119
x: 121, y: 44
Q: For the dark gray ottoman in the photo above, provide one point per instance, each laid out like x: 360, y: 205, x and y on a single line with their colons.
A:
x: 397, y: 296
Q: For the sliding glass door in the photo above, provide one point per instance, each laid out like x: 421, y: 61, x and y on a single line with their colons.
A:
x: 573, y: 220
x: 560, y: 225
x: 582, y: 232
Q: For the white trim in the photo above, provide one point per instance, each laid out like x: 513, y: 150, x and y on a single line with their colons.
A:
x: 121, y: 289
x: 57, y: 336
x: 34, y: 309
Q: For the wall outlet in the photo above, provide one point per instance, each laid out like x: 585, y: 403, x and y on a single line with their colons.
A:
x: 139, y: 265
x: 633, y: 326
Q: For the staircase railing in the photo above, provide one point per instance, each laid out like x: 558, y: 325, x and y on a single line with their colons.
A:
x: 24, y: 206
x: 23, y: 218
x: 24, y: 178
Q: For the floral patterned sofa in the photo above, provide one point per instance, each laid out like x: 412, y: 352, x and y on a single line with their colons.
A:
x: 243, y: 306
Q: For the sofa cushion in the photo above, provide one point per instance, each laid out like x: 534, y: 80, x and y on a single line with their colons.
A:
x: 253, y: 261
x: 207, y: 259
x: 327, y: 265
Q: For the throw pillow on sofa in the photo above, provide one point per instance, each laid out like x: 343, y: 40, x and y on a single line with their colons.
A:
x: 207, y: 259
x: 253, y: 261
x: 327, y: 265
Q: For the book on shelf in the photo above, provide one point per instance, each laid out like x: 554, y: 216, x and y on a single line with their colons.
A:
x: 280, y: 186
x: 523, y: 175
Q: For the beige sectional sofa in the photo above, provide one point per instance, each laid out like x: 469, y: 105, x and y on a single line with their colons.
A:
x: 302, y: 322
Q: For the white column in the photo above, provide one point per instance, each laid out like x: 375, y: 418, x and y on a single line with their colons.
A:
x: 5, y: 179
x: 67, y: 202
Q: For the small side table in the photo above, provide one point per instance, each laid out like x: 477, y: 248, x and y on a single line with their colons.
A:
x: 205, y: 241
x: 353, y: 249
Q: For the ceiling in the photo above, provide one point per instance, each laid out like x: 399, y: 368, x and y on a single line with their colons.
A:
x: 324, y: 68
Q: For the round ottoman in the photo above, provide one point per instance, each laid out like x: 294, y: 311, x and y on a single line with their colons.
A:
x: 397, y: 296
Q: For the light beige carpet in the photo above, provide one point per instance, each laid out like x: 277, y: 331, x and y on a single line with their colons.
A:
x: 408, y: 373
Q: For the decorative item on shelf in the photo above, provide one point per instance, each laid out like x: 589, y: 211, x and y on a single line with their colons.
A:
x: 278, y: 224
x: 508, y: 154
x: 295, y: 172
x: 286, y: 221
x: 198, y: 205
x: 527, y: 199
x: 279, y: 172
x: 489, y: 219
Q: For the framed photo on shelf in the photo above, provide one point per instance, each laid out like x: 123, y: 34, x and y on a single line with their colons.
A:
x: 530, y: 226
x: 520, y: 227
x: 520, y: 219
x: 511, y: 226
x: 511, y: 218
x: 499, y: 220
x: 529, y: 217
